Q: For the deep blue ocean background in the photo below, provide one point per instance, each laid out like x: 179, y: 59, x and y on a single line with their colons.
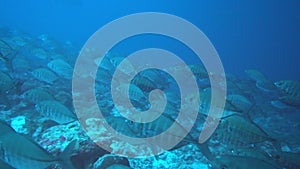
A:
x: 263, y: 35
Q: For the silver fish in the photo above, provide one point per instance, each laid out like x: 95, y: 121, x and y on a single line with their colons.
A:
x: 160, y: 125
x: 105, y: 64
x: 129, y: 69
x: 290, y: 100
x: 104, y: 76
x: 61, y: 67
x: 44, y: 75
x: 199, y: 71
x: 37, y: 95
x: 6, y: 82
x: 23, y: 153
x: 21, y: 65
x: 144, y: 83
x: 262, y: 82
x: 238, y: 132
x: 239, y: 102
x: 205, y: 104
x: 5, y: 48
x: 134, y: 93
x: 291, y: 89
x: 39, y: 53
x: 56, y: 111
x: 256, y: 75
x: 121, y: 125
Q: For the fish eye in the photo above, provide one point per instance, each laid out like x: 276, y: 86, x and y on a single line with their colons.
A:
x: 277, y: 157
x: 223, y: 167
x: 130, y: 122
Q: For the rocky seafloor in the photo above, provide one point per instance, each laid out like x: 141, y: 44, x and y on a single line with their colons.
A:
x: 260, y: 123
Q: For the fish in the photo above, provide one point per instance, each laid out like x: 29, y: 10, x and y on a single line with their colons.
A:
x: 167, y: 102
x: 145, y: 83
x: 21, y: 66
x: 61, y: 67
x: 55, y: 111
x: 44, y: 75
x: 127, y: 69
x: 280, y: 105
x: 291, y: 90
x: 262, y: 82
x: 252, y: 152
x: 39, y: 53
x: 103, y: 76
x: 199, y: 71
x: 160, y: 78
x: 6, y: 85
x: 266, y: 86
x: 153, y: 128
x: 37, y: 95
x: 63, y: 97
x: 21, y: 152
x: 255, y: 75
x: 205, y: 104
x: 120, y: 125
x: 240, y: 162
x: 240, y: 102
x: 161, y: 124
x: 236, y: 131
x: 3, y: 59
x: 6, y: 82
x: 7, y: 53
x: 136, y: 95
x: 16, y: 40
x: 5, y: 49
x: 105, y: 63
x: 144, y: 130
x: 289, y: 87
x: 291, y: 100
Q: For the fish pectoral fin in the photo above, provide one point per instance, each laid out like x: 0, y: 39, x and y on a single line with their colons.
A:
x: 65, y: 156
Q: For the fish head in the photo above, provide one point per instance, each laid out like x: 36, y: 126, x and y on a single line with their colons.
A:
x: 222, y: 130
x: 26, y: 94
x: 279, y: 84
x: 134, y: 127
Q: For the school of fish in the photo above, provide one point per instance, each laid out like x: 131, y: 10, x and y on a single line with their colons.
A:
x: 260, y: 126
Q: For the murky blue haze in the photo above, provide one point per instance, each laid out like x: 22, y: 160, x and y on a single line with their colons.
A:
x: 263, y: 35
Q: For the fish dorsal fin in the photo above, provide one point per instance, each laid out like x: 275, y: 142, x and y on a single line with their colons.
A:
x: 5, y: 128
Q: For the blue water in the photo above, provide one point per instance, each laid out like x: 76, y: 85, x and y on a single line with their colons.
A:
x: 251, y: 34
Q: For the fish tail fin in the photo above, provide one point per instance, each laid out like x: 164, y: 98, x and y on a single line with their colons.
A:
x: 206, y: 151
x: 65, y: 156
